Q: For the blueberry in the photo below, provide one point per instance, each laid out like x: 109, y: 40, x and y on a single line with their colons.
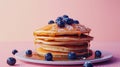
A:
x: 59, y: 19
x: 72, y: 56
x: 61, y: 24
x: 65, y: 16
x: 87, y: 64
x: 69, y: 21
x: 76, y: 22
x: 14, y: 51
x: 28, y: 52
x: 65, y: 19
x: 11, y: 61
x: 48, y: 57
x: 51, y: 22
x: 98, y: 54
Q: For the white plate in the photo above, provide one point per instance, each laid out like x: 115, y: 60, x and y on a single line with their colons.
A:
x: 21, y: 56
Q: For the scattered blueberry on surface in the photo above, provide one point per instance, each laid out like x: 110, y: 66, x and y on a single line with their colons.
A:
x: 11, y: 61
x: 72, y: 55
x: 76, y: 22
x: 98, y: 54
x: 87, y: 64
x: 14, y: 51
x: 48, y: 57
x: 28, y: 52
x: 61, y: 24
x: 51, y: 22
x: 65, y: 16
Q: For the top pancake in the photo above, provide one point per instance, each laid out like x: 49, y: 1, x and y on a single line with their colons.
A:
x: 54, y: 30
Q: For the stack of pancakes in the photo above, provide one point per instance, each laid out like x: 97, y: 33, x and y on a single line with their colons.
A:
x: 61, y: 41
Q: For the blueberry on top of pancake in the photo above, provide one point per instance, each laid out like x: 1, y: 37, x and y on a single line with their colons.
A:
x: 65, y: 16
x: 76, y: 22
x: 51, y: 22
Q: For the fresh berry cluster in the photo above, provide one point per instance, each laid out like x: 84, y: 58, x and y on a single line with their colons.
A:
x: 49, y: 57
x: 11, y: 60
x: 61, y: 21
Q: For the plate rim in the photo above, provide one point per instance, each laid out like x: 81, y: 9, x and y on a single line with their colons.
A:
x: 71, y: 62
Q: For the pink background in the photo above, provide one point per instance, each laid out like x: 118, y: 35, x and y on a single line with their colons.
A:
x: 19, y: 18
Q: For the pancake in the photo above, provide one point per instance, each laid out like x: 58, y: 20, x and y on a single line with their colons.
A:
x: 53, y: 30
x: 65, y: 48
x: 64, y: 38
x: 59, y: 43
x: 42, y: 52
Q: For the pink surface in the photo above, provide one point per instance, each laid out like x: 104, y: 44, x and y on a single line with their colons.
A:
x: 112, y: 47
x: 19, y: 18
